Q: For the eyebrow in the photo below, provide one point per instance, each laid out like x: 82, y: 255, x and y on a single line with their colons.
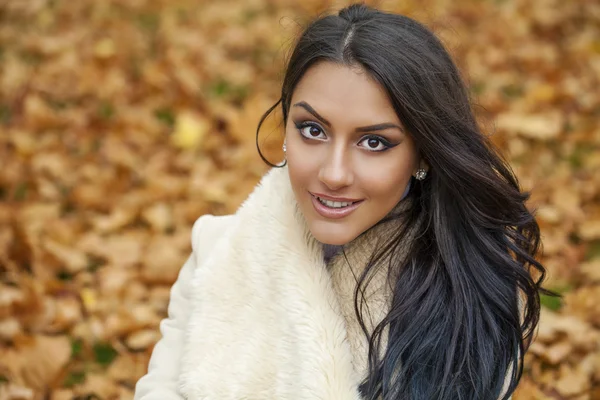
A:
x: 370, y: 128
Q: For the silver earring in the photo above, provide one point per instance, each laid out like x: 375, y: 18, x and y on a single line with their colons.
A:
x: 283, y: 147
x: 421, y: 174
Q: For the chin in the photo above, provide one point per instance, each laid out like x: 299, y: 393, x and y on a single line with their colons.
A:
x: 326, y: 235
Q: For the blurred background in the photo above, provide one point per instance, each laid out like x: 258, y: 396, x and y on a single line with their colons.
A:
x: 123, y: 121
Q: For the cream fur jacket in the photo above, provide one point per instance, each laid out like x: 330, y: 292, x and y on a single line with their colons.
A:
x: 257, y: 314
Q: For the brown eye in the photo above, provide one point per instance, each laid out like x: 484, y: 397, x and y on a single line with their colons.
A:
x: 373, y: 143
x: 309, y: 130
x: 313, y: 131
x: 376, y: 143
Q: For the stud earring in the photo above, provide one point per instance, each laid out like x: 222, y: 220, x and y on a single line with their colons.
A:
x: 421, y: 174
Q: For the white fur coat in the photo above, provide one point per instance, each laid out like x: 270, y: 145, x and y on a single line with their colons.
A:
x: 256, y: 313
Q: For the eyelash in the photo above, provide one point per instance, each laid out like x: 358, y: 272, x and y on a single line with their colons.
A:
x: 305, y: 124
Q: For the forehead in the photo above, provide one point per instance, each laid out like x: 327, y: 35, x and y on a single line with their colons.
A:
x: 336, y: 90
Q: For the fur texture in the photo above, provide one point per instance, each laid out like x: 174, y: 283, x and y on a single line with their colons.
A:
x: 269, y: 319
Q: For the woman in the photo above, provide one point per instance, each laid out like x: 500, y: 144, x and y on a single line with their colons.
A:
x: 390, y: 257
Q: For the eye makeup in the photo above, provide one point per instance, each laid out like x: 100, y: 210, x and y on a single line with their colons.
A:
x: 301, y: 125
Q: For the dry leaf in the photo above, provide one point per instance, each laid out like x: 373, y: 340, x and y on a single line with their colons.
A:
x: 590, y: 229
x: 572, y: 381
x: 72, y: 259
x: 542, y: 127
x: 63, y: 394
x: 591, y: 270
x: 159, y: 216
x: 68, y: 313
x: 89, y: 299
x: 190, y: 130
x: 10, y: 328
x: 117, y: 219
x: 105, y: 48
x: 128, y: 367
x: 16, y: 392
x: 99, y: 385
x: 113, y: 280
x: 36, y: 361
x: 557, y: 352
x: 142, y: 339
x: 583, y: 303
x: 163, y: 260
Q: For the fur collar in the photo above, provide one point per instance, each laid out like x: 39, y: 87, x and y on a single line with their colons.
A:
x: 269, y: 319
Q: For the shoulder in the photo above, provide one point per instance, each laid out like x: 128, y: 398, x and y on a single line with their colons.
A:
x: 207, y: 229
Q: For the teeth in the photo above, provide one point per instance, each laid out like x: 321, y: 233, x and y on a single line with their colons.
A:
x: 334, y: 204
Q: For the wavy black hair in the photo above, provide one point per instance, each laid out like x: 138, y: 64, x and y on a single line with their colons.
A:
x: 466, y: 297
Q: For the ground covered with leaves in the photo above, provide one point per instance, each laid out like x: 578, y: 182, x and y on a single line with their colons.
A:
x: 123, y: 121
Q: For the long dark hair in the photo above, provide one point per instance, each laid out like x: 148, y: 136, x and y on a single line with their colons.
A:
x: 465, y: 302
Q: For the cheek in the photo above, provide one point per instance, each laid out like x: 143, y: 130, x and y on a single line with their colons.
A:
x: 300, y: 171
x: 296, y: 179
x: 382, y: 188
x: 302, y: 164
x: 386, y: 183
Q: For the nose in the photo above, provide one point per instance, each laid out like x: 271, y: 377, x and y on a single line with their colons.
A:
x: 336, y: 171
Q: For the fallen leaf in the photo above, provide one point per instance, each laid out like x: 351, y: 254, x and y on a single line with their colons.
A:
x: 590, y: 229
x: 142, y: 339
x: 36, y: 361
x: 97, y: 385
x: 9, y: 329
x: 159, y: 216
x: 128, y: 367
x: 591, y: 270
x: 541, y: 127
x: 190, y: 130
x: 105, y: 48
x: 71, y: 258
x: 572, y: 381
x: 117, y: 219
x: 163, y: 260
x: 89, y: 298
x: 16, y: 392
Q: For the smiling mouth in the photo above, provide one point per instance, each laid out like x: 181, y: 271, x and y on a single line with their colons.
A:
x: 335, y: 204
x: 334, y: 210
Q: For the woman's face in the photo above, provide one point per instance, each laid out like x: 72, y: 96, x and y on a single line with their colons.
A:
x: 344, y: 140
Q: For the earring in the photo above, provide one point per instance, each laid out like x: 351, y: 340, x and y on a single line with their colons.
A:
x: 421, y: 174
x: 284, y: 155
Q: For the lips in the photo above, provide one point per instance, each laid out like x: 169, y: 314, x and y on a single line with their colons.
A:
x: 333, y: 213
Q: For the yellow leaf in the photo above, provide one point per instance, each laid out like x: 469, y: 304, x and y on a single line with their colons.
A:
x: 190, y: 130
x: 542, y: 92
x: 105, y: 48
x: 89, y: 298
